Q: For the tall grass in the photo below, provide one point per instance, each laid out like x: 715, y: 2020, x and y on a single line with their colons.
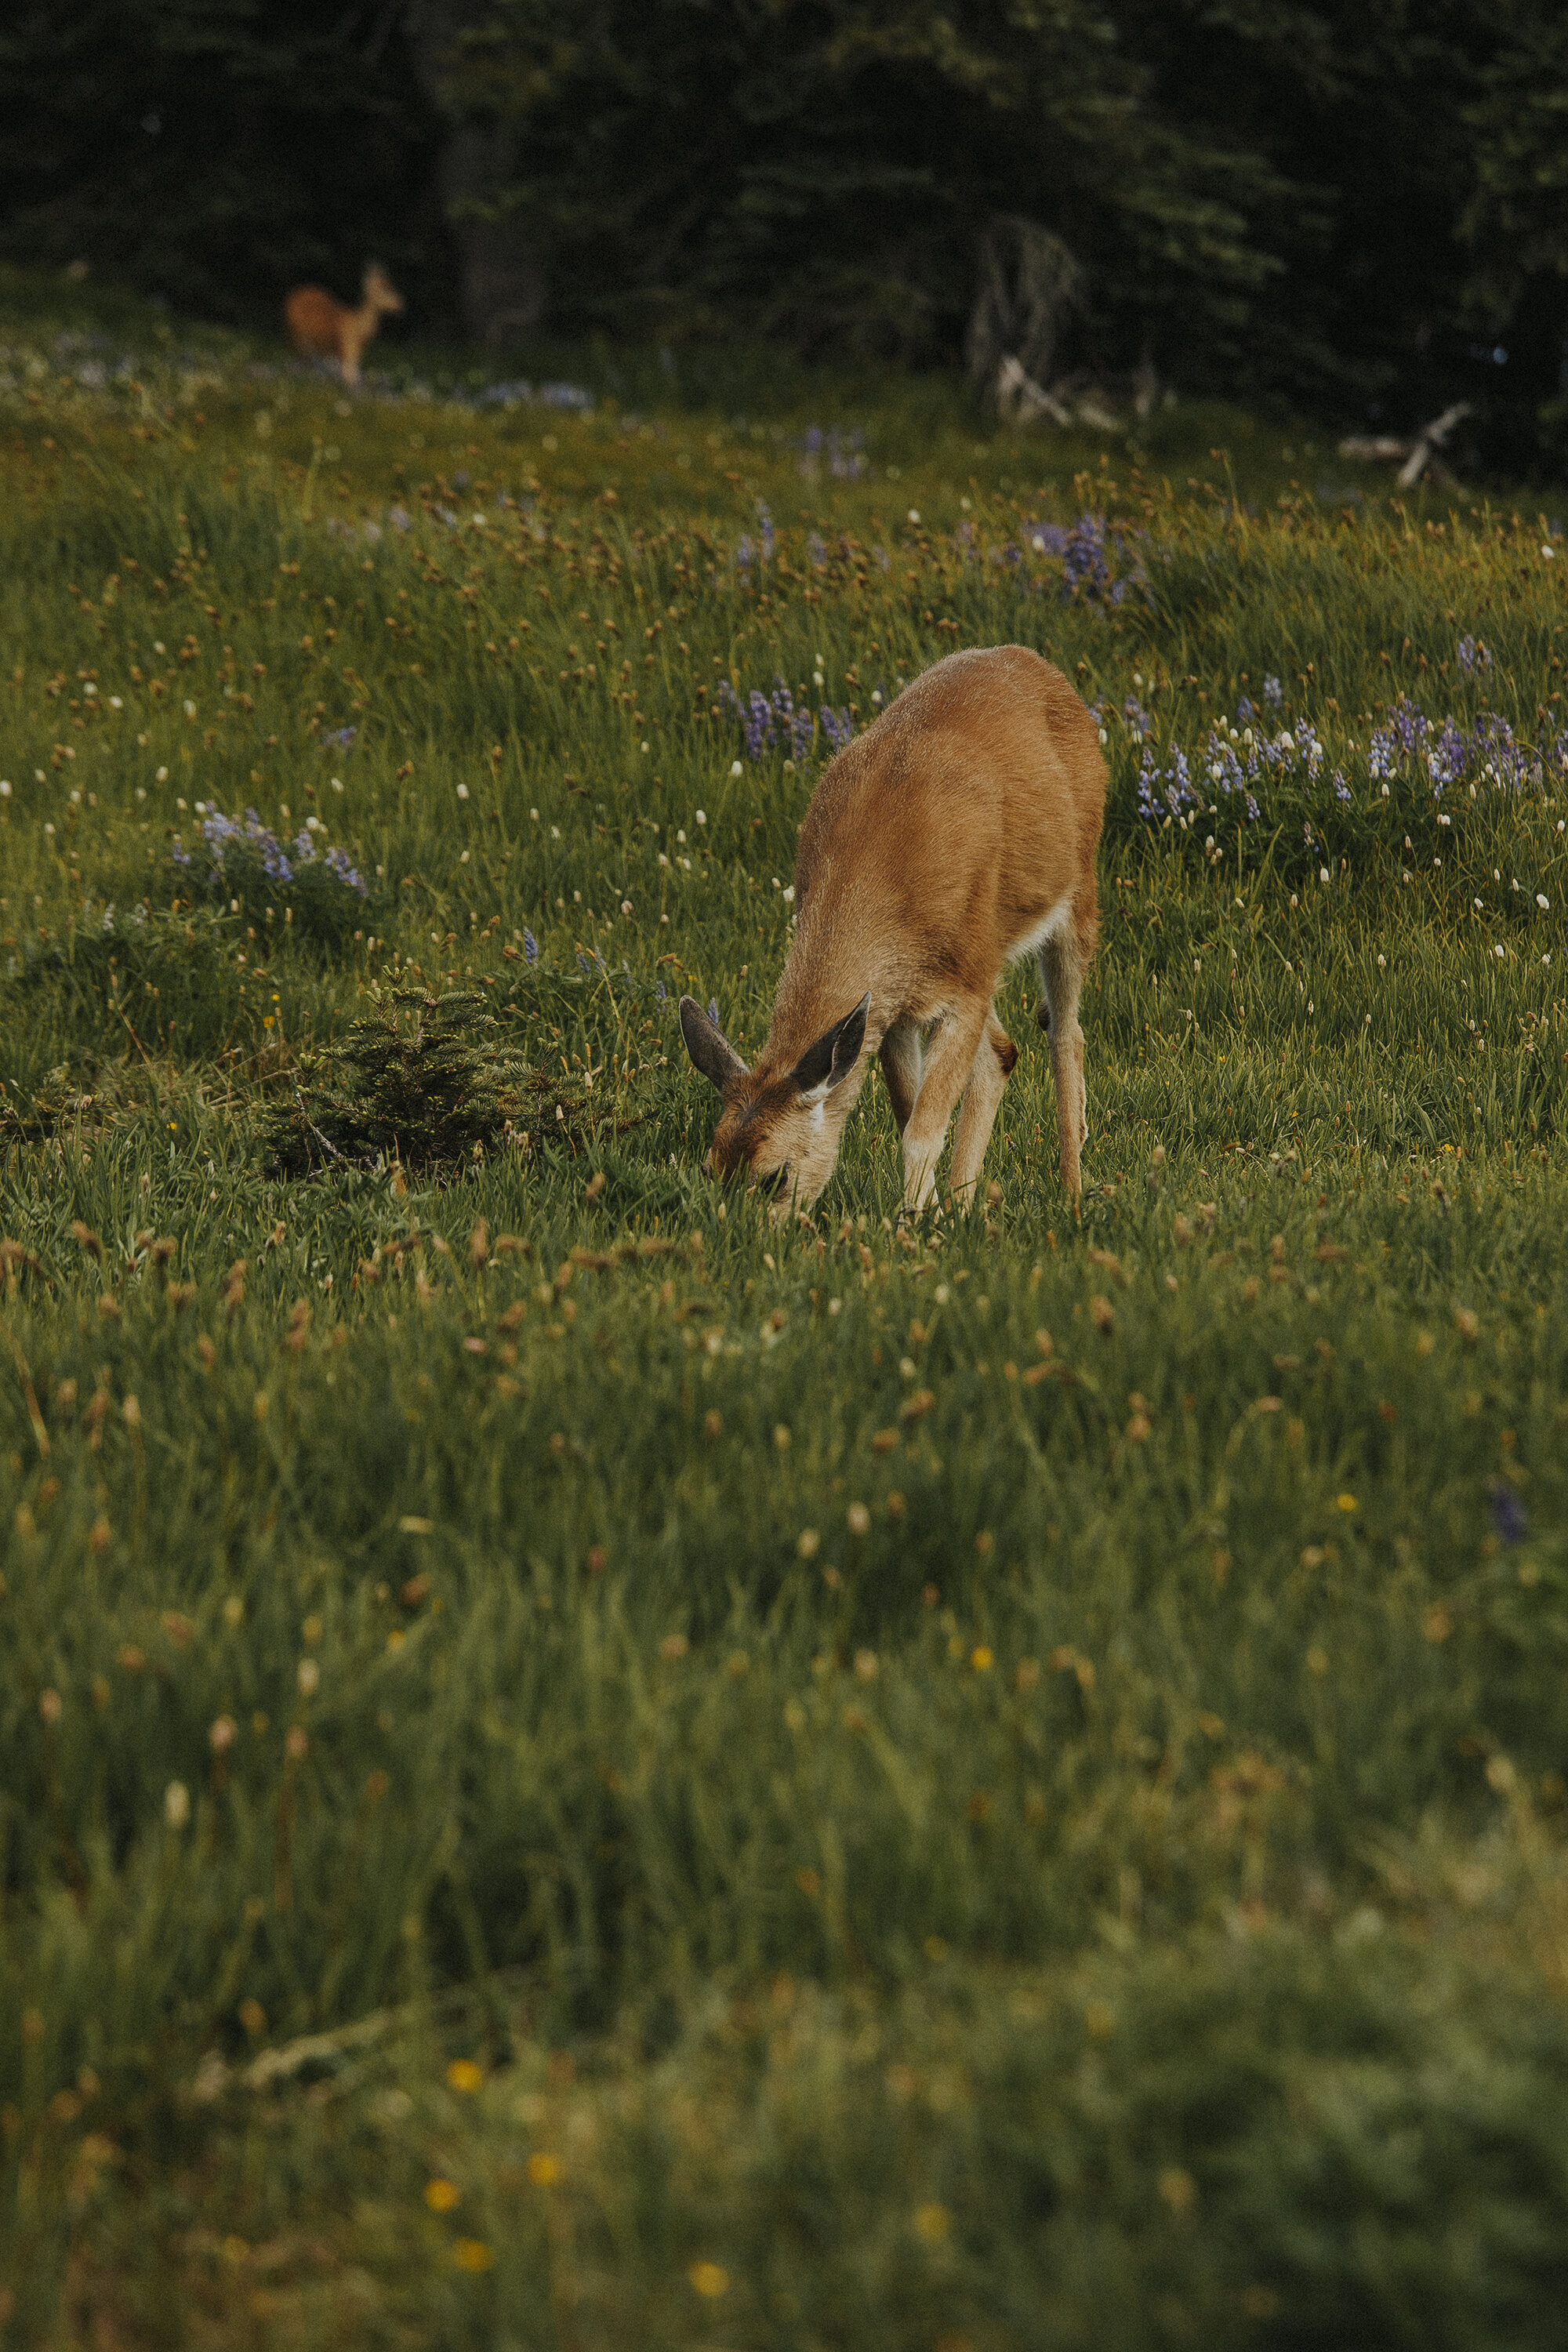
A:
x: 578, y: 1770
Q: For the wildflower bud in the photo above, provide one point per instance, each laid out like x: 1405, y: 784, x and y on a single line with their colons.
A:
x: 295, y: 1743
x: 221, y: 1737
x: 177, y: 1804
x: 479, y: 1247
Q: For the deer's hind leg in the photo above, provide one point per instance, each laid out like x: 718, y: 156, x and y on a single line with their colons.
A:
x: 1062, y: 966
x: 982, y: 1099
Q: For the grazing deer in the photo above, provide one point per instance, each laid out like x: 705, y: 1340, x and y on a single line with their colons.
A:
x: 322, y: 327
x: 958, y: 833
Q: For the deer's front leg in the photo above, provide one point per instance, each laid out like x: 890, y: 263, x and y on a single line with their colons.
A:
x: 981, y: 1100
x: 947, y: 1068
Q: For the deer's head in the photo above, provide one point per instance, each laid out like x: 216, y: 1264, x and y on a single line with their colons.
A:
x: 379, y: 288
x: 778, y: 1130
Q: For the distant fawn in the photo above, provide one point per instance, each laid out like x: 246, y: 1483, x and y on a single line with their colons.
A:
x: 958, y: 833
x: 322, y: 327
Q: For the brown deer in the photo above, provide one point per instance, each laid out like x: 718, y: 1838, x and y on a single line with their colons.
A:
x: 322, y: 327
x: 958, y: 833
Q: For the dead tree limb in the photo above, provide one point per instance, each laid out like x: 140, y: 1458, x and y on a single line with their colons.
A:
x: 1020, y: 397
x: 1413, y: 454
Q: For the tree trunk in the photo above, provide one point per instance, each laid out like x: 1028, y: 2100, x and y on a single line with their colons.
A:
x: 501, y: 282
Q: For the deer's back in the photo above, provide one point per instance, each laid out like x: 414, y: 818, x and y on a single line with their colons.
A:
x: 950, y: 831
x: 314, y: 320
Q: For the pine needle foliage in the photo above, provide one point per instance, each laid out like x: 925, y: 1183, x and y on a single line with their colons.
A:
x: 427, y: 1082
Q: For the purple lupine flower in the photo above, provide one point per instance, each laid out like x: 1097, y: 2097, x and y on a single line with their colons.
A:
x: 218, y: 830
x: 530, y: 946
x: 759, y: 725
x: 343, y: 739
x: 714, y: 1011
x: 1410, y: 724
x: 1341, y: 790
x: 658, y: 990
x: 1244, y: 710
x: 1379, y: 757
x: 765, y: 531
x: 1148, y: 776
x: 582, y: 961
x: 1446, y: 757
x: 1139, y: 722
x: 1224, y: 767
x: 1273, y: 693
x: 838, y: 726
x: 1085, y: 569
x: 1473, y: 654
x: 1509, y: 762
x: 1508, y: 1512
x: 745, y: 553
x: 338, y: 864
x: 767, y: 719
x: 1308, y: 748
x: 816, y: 549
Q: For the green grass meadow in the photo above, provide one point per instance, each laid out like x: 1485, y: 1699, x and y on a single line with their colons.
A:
x: 579, y: 1771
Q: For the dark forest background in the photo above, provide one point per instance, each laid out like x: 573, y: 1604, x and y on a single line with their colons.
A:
x: 1359, y: 208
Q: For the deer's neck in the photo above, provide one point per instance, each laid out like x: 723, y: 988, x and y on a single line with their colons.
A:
x: 832, y: 959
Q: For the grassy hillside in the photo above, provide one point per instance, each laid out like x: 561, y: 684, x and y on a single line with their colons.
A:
x: 577, y: 1771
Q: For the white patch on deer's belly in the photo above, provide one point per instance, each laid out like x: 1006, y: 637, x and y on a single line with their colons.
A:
x: 1050, y: 927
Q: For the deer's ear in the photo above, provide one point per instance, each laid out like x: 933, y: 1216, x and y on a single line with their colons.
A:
x: 825, y: 1064
x: 710, y: 1050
